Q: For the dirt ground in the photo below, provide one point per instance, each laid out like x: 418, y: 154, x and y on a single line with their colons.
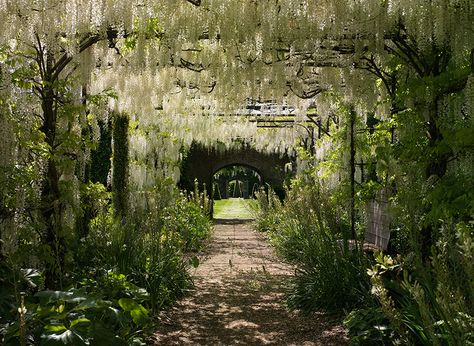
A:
x: 238, y: 299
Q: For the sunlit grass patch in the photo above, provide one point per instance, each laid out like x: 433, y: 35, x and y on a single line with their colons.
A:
x: 234, y: 208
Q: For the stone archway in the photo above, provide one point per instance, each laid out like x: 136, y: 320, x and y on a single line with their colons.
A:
x: 245, y: 179
x: 202, y: 163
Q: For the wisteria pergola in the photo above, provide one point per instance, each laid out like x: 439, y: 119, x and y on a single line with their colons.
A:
x: 182, y: 70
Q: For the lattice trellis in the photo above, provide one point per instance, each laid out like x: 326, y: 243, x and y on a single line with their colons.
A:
x: 378, y: 221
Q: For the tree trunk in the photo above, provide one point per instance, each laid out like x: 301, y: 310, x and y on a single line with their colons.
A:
x: 51, y: 205
x: 436, y: 166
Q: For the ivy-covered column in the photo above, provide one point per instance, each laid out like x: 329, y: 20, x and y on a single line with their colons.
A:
x: 120, y: 164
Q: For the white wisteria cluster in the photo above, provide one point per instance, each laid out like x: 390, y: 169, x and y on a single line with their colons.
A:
x: 182, y: 72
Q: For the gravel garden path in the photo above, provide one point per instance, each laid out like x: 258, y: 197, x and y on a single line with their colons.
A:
x: 238, y: 299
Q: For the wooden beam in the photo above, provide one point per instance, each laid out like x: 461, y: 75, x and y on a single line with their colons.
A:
x: 279, y: 121
x: 195, y: 2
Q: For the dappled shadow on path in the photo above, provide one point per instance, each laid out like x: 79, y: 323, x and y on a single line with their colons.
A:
x: 239, y: 300
x: 231, y: 221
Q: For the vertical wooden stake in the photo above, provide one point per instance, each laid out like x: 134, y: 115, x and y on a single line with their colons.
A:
x: 352, y: 169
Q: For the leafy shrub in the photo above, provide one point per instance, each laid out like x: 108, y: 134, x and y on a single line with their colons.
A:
x: 89, y: 315
x: 330, y: 275
x: 369, y: 326
x: 329, y: 283
x: 430, y: 304
x: 186, y: 218
x: 15, y: 283
x: 133, y: 267
x: 312, y: 234
x: 151, y: 246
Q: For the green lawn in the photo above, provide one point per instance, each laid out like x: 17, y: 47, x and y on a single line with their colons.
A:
x: 233, y: 208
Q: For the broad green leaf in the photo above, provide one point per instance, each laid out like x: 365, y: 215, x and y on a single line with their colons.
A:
x: 69, y: 337
x: 73, y: 296
x: 55, y: 328
x: 137, y: 311
x: 92, y: 303
x: 43, y: 311
x: 139, y: 315
x: 80, y: 321
x: 60, y: 308
x: 128, y: 304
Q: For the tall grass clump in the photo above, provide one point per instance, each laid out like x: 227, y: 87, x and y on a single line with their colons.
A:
x: 153, y: 246
x: 311, y: 232
x: 266, y: 210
